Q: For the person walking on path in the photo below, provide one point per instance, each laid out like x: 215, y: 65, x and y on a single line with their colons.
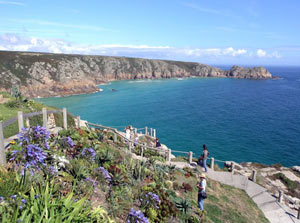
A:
x: 201, y: 191
x: 205, y: 156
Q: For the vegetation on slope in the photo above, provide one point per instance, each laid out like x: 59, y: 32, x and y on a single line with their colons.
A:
x: 80, y: 175
x: 9, y: 110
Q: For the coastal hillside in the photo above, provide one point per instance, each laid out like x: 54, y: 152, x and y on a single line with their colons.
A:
x: 46, y: 75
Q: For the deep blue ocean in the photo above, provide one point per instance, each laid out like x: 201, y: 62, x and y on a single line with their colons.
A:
x: 238, y: 119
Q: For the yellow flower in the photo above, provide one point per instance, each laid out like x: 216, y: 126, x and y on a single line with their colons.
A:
x: 12, y: 142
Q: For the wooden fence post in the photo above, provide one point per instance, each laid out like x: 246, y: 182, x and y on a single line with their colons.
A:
x: 280, y: 198
x: 142, y: 151
x: 298, y: 215
x: 168, y: 157
x: 232, y: 168
x: 129, y: 146
x: 27, y: 123
x: 212, y: 163
x: 20, y: 120
x: 78, y: 121
x: 65, y: 118
x: 254, y: 176
x: 146, y: 130
x: 154, y: 133
x: 135, y: 131
x: 115, y: 136
x: 2, y: 151
x: 190, y: 154
x: 45, y: 118
x: 151, y: 132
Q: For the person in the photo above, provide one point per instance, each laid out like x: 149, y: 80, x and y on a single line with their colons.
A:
x: 201, y: 191
x: 127, y: 132
x: 157, y: 143
x: 136, y: 141
x: 205, y: 156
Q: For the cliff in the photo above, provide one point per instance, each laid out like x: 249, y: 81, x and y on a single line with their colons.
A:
x: 46, y: 75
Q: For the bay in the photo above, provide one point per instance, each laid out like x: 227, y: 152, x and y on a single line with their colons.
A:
x: 238, y: 119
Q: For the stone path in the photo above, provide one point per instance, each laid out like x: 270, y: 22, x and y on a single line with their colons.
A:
x: 275, y: 212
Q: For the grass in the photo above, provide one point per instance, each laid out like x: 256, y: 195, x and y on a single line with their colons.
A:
x: 228, y: 204
x: 224, y: 203
x: 10, y: 110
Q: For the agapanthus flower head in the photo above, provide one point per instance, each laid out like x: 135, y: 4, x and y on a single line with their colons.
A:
x: 70, y: 141
x: 136, y: 216
x: 104, y: 172
x: 89, y: 152
x: 14, y: 196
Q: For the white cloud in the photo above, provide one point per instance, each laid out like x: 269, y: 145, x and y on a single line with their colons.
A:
x: 261, y: 53
x: 11, y: 3
x: 264, y: 54
x: 15, y: 42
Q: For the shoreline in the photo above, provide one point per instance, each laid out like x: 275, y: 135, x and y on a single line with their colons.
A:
x: 108, y: 82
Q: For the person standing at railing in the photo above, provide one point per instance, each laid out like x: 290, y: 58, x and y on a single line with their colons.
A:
x: 205, y: 156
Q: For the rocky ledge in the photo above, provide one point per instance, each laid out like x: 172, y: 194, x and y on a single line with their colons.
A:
x: 46, y: 75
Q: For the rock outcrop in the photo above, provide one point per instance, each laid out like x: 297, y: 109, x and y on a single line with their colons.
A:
x: 46, y: 75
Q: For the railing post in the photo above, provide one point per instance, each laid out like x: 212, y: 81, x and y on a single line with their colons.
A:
x: 254, y: 176
x: 65, y: 118
x: 168, y: 157
x: 154, y: 133
x: 27, y: 123
x: 142, y: 152
x: 151, y: 132
x: 45, y: 118
x: 135, y: 131
x: 115, y: 136
x: 129, y: 147
x: 212, y: 163
x: 78, y: 121
x: 280, y: 198
x: 20, y: 120
x: 298, y: 215
x: 146, y: 130
x: 2, y: 151
x: 190, y: 154
x: 232, y: 168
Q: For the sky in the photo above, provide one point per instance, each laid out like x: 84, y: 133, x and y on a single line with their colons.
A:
x: 243, y: 32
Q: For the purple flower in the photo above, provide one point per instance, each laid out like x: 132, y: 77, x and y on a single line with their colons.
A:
x: 13, y: 196
x: 23, y: 201
x: 105, y: 173
x: 89, y: 153
x: 92, y: 181
x: 21, y: 207
x: 1, y: 198
x: 70, y: 141
x: 136, y: 217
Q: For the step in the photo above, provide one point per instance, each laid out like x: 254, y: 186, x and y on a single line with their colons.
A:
x: 253, y: 189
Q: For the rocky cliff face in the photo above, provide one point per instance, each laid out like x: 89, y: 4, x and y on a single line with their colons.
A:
x: 46, y: 75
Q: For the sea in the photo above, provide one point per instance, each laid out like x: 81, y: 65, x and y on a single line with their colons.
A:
x: 238, y: 119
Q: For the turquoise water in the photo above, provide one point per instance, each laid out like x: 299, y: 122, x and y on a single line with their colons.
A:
x: 240, y: 120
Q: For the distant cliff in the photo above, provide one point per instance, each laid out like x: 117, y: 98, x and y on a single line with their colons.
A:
x: 46, y: 75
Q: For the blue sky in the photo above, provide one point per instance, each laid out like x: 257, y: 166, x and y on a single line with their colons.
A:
x: 251, y: 32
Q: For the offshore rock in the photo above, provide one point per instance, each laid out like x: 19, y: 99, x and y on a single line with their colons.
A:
x: 46, y: 75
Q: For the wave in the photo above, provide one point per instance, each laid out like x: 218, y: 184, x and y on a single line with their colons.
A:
x: 140, y: 81
x: 105, y: 83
